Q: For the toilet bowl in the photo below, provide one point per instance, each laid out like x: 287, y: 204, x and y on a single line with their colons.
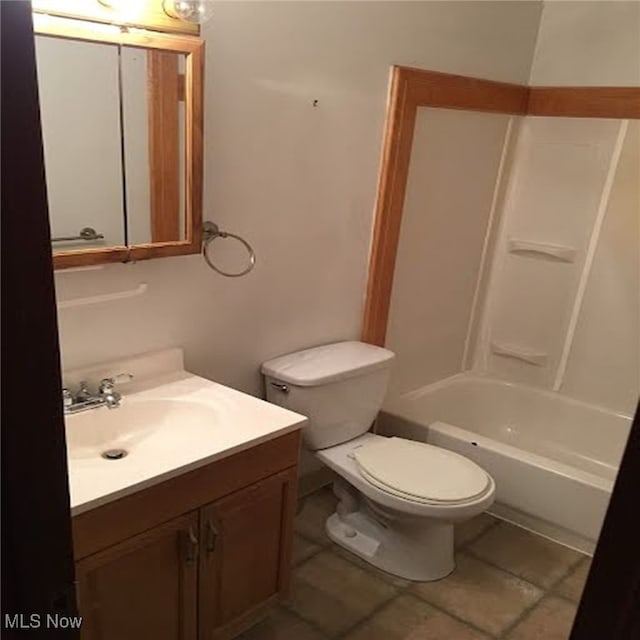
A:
x: 398, y: 499
x: 408, y: 536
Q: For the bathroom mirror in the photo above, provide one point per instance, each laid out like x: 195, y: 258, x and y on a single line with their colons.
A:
x: 121, y: 114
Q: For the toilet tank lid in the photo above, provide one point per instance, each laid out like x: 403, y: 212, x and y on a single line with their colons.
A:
x: 328, y: 363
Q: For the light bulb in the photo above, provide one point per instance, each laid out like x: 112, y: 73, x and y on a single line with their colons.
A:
x: 193, y: 11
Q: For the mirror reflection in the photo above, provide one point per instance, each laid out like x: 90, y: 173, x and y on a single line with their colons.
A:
x: 113, y: 121
x: 153, y: 117
x: 81, y: 129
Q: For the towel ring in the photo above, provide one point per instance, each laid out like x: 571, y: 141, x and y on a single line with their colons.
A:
x: 211, y: 231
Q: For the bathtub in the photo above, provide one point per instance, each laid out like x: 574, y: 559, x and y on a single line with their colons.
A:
x: 554, y: 459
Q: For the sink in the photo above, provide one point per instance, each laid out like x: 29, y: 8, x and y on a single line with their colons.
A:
x: 136, y: 426
x: 169, y: 422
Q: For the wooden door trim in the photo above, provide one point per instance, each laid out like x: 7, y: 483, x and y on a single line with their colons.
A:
x: 585, y: 102
x: 411, y: 88
x: 448, y: 91
x: 392, y: 183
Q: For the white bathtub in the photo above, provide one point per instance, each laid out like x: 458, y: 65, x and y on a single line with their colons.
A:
x: 554, y: 459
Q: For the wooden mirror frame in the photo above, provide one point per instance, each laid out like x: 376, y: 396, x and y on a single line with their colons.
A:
x: 193, y: 48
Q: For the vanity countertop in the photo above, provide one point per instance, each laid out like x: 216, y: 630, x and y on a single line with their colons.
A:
x: 169, y: 423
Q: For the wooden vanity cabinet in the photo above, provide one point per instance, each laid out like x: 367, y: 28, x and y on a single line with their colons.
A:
x: 144, y: 587
x: 242, y: 567
x: 205, y: 573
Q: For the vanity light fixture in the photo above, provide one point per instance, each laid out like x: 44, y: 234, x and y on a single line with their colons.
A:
x: 125, y: 9
x: 193, y: 11
x: 47, y: 23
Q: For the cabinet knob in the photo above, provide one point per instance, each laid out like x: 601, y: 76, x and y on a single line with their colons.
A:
x: 191, y: 545
x: 212, y: 537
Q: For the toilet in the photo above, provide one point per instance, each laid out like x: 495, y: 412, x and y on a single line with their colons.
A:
x: 398, y: 499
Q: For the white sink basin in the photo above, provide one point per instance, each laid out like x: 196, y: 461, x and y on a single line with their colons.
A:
x: 169, y: 422
x: 138, y: 426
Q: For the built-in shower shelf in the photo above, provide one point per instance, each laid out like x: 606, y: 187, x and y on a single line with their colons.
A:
x: 530, y: 356
x: 542, y: 249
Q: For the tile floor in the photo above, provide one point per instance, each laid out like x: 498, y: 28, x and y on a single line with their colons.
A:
x: 508, y: 584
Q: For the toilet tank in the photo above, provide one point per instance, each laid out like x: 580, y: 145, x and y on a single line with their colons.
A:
x: 339, y: 387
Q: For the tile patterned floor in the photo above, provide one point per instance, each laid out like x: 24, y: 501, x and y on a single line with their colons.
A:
x: 508, y: 584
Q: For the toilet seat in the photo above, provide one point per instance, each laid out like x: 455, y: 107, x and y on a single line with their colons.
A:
x: 420, y: 472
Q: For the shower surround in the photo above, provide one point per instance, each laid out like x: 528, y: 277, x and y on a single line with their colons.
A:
x: 540, y: 387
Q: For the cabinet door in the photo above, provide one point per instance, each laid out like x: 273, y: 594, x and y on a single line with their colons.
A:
x: 144, y: 587
x: 246, y: 551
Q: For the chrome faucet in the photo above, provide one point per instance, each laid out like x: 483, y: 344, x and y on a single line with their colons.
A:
x: 84, y: 399
x: 106, y: 390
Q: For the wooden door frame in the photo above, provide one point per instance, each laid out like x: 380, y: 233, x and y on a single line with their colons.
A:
x: 412, y: 88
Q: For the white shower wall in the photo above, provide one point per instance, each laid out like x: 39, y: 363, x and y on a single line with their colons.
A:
x: 604, y: 363
x: 580, y: 319
x: 574, y: 184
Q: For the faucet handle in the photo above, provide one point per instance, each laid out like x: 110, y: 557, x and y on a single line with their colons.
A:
x: 83, y: 392
x: 107, y: 384
x: 67, y: 397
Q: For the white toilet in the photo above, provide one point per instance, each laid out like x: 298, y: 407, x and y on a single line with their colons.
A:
x: 398, y: 498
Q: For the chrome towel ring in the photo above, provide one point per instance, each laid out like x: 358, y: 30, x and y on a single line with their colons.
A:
x: 211, y: 231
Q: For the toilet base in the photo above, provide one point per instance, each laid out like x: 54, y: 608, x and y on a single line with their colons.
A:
x: 420, y: 550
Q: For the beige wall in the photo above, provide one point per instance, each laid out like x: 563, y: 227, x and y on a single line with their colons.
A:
x: 453, y: 173
x: 590, y: 42
x: 297, y: 181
